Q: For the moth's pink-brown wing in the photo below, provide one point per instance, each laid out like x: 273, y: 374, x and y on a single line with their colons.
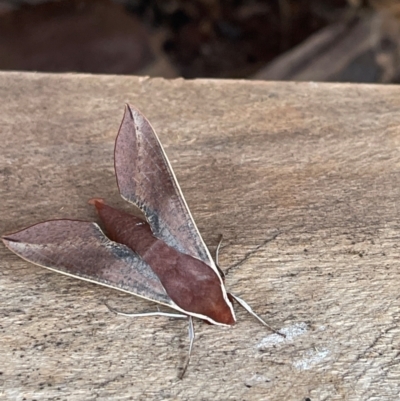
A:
x: 80, y: 249
x: 146, y: 179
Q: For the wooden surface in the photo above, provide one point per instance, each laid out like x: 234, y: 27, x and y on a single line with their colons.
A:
x: 303, y: 180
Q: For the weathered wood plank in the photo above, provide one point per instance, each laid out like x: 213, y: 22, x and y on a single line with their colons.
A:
x: 302, y: 179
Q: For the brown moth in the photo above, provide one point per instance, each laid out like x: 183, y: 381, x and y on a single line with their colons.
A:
x: 162, y: 259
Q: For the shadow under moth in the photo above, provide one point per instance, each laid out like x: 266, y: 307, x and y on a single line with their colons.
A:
x: 161, y: 258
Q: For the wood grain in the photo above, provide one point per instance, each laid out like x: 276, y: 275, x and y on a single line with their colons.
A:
x: 302, y: 179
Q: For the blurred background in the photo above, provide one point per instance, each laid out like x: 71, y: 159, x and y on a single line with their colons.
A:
x: 324, y: 40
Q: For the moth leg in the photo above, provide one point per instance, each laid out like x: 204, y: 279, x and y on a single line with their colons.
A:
x: 191, y: 340
x: 217, y: 256
x: 246, y: 306
x: 158, y: 313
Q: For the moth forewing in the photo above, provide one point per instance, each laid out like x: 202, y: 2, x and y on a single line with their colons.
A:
x: 80, y: 249
x: 145, y: 178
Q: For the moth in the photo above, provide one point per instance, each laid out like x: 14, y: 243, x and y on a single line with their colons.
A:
x: 161, y: 258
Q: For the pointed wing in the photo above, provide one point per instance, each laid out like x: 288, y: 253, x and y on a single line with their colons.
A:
x: 145, y: 178
x: 80, y: 249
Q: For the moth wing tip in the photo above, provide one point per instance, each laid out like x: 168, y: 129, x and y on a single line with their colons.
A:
x: 7, y: 240
x: 128, y: 112
x: 133, y: 112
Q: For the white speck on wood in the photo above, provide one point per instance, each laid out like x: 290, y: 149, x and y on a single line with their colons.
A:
x: 312, y: 358
x: 290, y: 332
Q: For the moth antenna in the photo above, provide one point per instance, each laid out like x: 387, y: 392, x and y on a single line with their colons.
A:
x: 246, y: 306
x: 191, y: 340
